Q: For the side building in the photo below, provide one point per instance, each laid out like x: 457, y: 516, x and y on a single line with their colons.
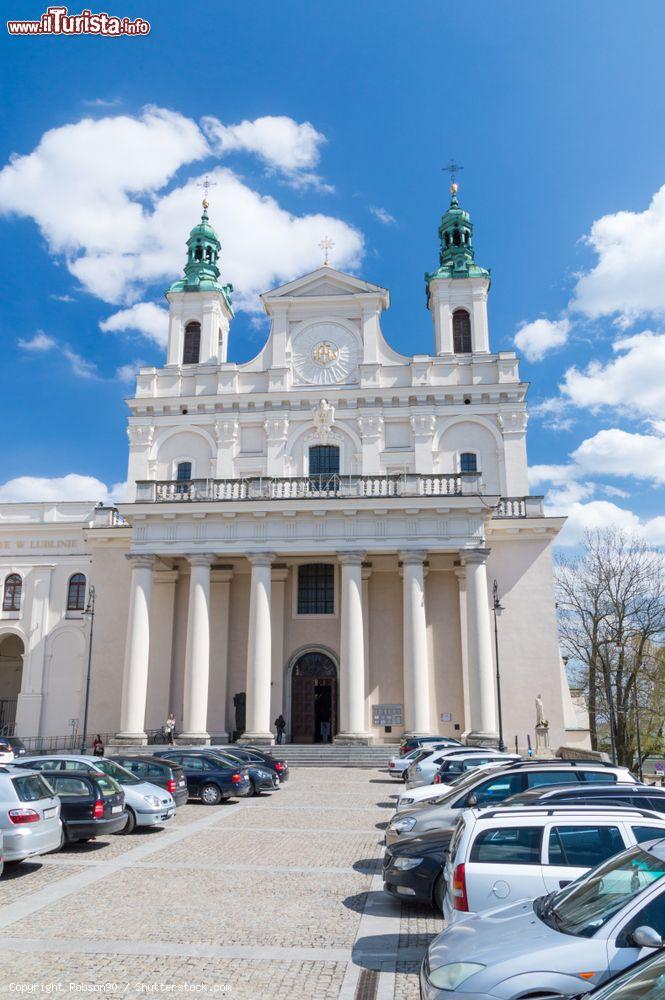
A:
x: 316, y: 532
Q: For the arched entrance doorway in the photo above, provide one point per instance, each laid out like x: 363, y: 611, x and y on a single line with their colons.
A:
x: 11, y: 673
x: 313, y: 698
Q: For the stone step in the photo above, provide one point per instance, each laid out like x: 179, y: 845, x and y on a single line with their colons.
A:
x: 303, y: 754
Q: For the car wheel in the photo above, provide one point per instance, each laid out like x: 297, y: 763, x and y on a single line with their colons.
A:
x: 211, y: 795
x: 439, y: 892
x: 130, y: 825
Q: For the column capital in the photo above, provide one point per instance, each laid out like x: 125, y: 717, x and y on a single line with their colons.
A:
x: 351, y: 558
x: 223, y: 575
x: 411, y: 556
x: 474, y: 556
x: 261, y: 558
x: 199, y: 558
x: 141, y: 561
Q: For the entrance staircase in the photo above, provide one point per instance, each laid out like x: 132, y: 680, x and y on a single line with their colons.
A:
x: 332, y: 755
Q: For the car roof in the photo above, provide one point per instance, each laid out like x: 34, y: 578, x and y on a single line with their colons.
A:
x: 140, y: 756
x: 560, y: 791
x: 519, y: 812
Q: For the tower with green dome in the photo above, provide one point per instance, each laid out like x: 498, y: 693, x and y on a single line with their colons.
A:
x: 200, y: 310
x: 457, y: 290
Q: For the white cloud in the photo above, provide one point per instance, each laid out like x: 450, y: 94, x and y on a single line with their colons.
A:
x: 627, y: 279
x: 634, y: 381
x: 536, y: 339
x: 35, y: 489
x: 146, y: 317
x: 555, y: 413
x: 80, y: 366
x: 39, y: 343
x: 96, y: 189
x: 382, y: 215
x: 128, y: 372
x: 615, y: 452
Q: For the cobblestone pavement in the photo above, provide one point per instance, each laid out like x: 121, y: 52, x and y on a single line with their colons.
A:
x: 275, y: 897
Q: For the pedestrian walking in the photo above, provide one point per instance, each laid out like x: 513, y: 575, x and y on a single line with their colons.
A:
x: 169, y: 728
x: 98, y: 746
x: 280, y: 726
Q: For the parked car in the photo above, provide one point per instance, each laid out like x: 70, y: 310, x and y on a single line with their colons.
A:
x: 643, y: 981
x: 413, y: 868
x: 2, y: 860
x: 398, y: 765
x: 6, y: 751
x: 91, y: 804
x: 146, y: 804
x: 247, y: 753
x: 447, y: 765
x: 559, y: 944
x: 164, y: 773
x: 17, y: 745
x: 640, y: 796
x: 493, y: 789
x: 497, y: 855
x: 261, y: 777
x: 409, y: 743
x: 29, y: 815
x: 413, y: 797
x: 209, y: 778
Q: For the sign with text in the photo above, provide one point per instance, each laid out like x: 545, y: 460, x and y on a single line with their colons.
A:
x: 387, y: 715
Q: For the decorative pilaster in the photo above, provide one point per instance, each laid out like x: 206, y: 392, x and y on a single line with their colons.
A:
x: 197, y: 652
x: 416, y: 661
x: 227, y: 434
x: 423, y: 426
x: 370, y: 426
x: 352, y: 653
x: 259, y: 653
x: 137, y: 652
x: 277, y: 429
x: 481, y: 667
x: 460, y: 573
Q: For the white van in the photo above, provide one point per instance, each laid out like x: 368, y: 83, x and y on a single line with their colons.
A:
x: 502, y: 855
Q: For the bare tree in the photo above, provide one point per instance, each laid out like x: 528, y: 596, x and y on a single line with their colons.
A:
x: 611, y: 603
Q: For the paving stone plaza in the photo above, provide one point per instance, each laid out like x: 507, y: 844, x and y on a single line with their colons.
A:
x: 278, y: 896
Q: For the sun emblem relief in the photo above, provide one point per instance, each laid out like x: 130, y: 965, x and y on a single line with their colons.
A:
x: 325, y: 354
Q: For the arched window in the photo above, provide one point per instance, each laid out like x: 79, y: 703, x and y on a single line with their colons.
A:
x: 11, y: 600
x: 456, y: 237
x: 76, y: 592
x: 192, y: 347
x: 316, y: 589
x: 198, y: 253
x: 468, y: 462
x: 461, y: 332
x: 183, y: 474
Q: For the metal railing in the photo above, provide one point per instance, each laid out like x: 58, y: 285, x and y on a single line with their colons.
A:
x: 7, y: 716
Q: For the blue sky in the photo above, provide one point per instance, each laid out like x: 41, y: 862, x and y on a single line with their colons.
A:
x: 337, y: 118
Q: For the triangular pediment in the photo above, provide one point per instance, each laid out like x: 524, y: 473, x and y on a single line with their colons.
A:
x: 325, y: 282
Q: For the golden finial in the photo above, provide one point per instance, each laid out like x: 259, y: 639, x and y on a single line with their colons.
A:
x: 453, y: 169
x: 206, y: 184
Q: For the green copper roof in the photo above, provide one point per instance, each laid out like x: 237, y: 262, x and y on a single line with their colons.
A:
x: 456, y: 258
x: 201, y: 270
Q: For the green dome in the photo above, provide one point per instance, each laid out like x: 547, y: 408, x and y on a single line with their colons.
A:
x: 201, y: 270
x: 456, y: 256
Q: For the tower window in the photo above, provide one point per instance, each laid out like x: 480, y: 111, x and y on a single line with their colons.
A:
x: 184, y: 472
x: 468, y: 462
x: 461, y: 332
x: 76, y: 592
x: 11, y: 600
x: 316, y: 589
x: 456, y: 237
x: 198, y: 253
x: 192, y: 347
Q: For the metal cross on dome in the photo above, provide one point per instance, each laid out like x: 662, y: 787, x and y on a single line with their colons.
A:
x: 206, y: 184
x: 453, y: 169
x: 326, y: 245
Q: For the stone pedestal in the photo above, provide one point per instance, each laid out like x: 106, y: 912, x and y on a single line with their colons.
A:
x: 542, y: 741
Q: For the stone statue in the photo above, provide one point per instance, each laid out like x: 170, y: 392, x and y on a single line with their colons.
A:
x: 323, y: 416
x: 541, y: 721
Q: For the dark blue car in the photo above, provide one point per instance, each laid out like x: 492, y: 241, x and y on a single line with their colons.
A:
x: 255, y: 755
x: 209, y: 778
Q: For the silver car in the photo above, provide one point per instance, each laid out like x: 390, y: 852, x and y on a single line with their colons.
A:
x: 146, y: 804
x: 560, y: 944
x: 29, y: 814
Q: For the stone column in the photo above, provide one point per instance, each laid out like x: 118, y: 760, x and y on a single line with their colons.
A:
x: 197, y: 652
x: 278, y: 578
x: 366, y: 574
x: 137, y: 652
x: 460, y: 573
x: 220, y: 606
x: 481, y: 666
x: 259, y: 653
x: 416, y: 660
x: 352, y: 653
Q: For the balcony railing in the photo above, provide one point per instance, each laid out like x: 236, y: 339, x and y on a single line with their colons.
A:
x: 319, y: 487
x: 519, y: 507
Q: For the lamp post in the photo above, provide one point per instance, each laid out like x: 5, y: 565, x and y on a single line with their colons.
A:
x: 637, y: 734
x: 610, y: 700
x: 90, y: 613
x: 497, y: 608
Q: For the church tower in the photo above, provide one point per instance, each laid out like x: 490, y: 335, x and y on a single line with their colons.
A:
x: 200, y: 307
x: 457, y: 290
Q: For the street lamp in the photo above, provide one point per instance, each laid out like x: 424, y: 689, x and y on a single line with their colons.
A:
x: 610, y: 699
x: 497, y: 608
x: 90, y: 613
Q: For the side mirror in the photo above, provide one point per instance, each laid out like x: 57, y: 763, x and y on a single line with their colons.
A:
x: 646, y: 937
x: 471, y: 800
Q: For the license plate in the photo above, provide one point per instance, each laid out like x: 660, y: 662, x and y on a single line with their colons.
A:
x: 51, y: 812
x: 116, y: 809
x: 276, y: 779
x: 181, y: 783
x: 165, y: 816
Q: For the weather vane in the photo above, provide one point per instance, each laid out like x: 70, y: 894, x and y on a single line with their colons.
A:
x: 206, y: 184
x: 326, y: 245
x: 453, y: 169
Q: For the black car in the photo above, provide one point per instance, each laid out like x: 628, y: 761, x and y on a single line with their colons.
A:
x: 167, y: 774
x: 91, y: 805
x: 254, y: 755
x: 263, y: 778
x: 413, y: 868
x: 209, y: 778
x: 16, y: 745
x: 641, y: 796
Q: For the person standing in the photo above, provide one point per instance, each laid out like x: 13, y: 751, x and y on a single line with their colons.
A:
x: 169, y: 728
x: 98, y: 746
x: 280, y: 726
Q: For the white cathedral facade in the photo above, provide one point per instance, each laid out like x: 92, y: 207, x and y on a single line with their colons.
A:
x: 315, y: 533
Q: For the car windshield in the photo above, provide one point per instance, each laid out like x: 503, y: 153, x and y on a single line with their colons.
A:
x: 587, y: 905
x: 120, y: 774
x: 645, y: 983
x: 456, y: 787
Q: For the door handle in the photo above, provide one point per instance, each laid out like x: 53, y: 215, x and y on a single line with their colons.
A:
x: 564, y: 882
